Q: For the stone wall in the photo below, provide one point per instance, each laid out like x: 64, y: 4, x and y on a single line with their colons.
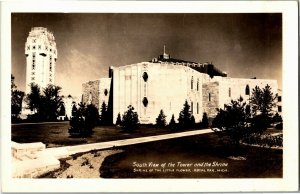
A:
x: 211, y: 99
x: 90, y: 93
x: 96, y: 92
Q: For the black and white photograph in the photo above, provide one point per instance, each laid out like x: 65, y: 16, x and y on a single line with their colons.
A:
x: 146, y: 95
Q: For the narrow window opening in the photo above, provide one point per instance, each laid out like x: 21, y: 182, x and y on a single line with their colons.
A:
x: 247, y: 90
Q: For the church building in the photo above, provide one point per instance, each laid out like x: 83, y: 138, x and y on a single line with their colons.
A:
x: 165, y: 83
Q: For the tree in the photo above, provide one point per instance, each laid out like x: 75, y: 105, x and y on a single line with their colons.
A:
x: 51, y: 101
x: 119, y: 120
x: 232, y: 121
x: 130, y: 119
x: 104, y: 115
x: 204, y: 122
x: 161, y: 119
x: 33, y: 99
x: 62, y: 110
x: 185, y: 117
x: 277, y: 118
x: 74, y: 109
x: 91, y: 115
x: 83, y: 120
x: 172, y: 124
x: 262, y: 102
x: 16, y: 100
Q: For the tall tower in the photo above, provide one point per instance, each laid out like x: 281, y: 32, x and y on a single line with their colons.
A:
x: 41, y: 56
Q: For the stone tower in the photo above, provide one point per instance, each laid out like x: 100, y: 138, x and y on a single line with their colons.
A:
x: 41, y: 56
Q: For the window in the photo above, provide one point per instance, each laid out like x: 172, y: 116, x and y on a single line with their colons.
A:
x: 28, y: 47
x: 279, y: 109
x: 33, y: 61
x: 197, y: 108
x: 34, y: 40
x: 105, y: 92
x: 39, y: 47
x: 229, y: 92
x: 33, y: 47
x: 209, y: 97
x: 32, y: 78
x: 145, y: 101
x: 247, y: 91
x: 145, y: 76
x: 50, y: 75
x: 279, y: 98
x: 192, y: 107
x: 50, y: 50
x: 50, y: 63
x: 50, y: 80
x: 197, y: 84
x: 192, y: 82
x: 32, y: 73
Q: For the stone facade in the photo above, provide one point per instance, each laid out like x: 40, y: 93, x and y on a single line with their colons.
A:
x: 211, y: 98
x: 96, y: 92
x: 165, y: 84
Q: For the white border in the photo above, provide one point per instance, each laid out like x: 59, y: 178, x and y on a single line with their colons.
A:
x: 289, y: 182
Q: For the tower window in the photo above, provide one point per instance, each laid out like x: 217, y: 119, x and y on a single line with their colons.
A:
x: 145, y: 76
x: 50, y: 80
x: 197, y: 84
x: 145, y: 101
x: 34, y: 40
x: 192, y: 107
x: 33, y: 47
x: 247, y: 90
x: 209, y: 97
x: 33, y: 61
x: 50, y: 68
x: 50, y: 50
x: 197, y: 108
x: 28, y: 47
x: 279, y: 98
x: 105, y: 92
x: 229, y: 92
x: 279, y: 109
x: 32, y: 78
x: 32, y: 73
x: 192, y: 82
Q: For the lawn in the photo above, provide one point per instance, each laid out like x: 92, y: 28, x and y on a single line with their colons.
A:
x: 56, y: 134
x: 258, y: 163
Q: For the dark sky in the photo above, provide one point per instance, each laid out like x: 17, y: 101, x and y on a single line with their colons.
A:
x: 243, y: 45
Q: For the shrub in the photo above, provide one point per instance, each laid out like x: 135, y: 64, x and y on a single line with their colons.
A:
x: 130, y: 119
x: 185, y: 119
x: 119, y: 121
x: 172, y: 124
x: 204, y: 122
x: 161, y: 119
x: 84, y: 120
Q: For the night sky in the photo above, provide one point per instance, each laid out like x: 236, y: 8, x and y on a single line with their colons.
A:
x: 243, y: 45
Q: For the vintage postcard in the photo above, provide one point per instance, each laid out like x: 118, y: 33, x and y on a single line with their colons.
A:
x: 117, y: 96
